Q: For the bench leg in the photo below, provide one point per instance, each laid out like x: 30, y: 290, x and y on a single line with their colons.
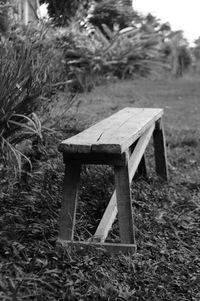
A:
x: 69, y: 202
x: 160, y: 150
x: 124, y: 205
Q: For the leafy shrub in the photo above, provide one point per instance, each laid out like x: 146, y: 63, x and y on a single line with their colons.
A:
x: 20, y: 91
x: 130, y: 52
x: 46, y: 56
x: 23, y: 77
x: 112, y: 13
x: 28, y: 69
x: 61, y: 11
x: 121, y: 54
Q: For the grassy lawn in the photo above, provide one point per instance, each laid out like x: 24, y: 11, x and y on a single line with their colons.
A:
x: 167, y: 215
x: 179, y: 98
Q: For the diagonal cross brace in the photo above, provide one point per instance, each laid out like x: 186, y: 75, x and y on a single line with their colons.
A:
x: 111, y: 210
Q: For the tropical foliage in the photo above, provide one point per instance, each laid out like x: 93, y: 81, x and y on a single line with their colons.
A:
x: 20, y: 86
x: 177, y: 52
x: 61, y: 11
x: 28, y: 70
x: 119, y: 54
x: 112, y: 13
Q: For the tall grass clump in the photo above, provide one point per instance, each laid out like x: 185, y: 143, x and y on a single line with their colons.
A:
x: 26, y: 75
x: 19, y: 97
x: 32, y: 71
x: 46, y: 55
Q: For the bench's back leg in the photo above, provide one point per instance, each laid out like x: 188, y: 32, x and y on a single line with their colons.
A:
x: 124, y: 205
x: 69, y: 202
x: 142, y: 169
x: 160, y: 150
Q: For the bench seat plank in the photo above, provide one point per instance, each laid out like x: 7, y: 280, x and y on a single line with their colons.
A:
x: 119, y: 139
x: 114, y: 134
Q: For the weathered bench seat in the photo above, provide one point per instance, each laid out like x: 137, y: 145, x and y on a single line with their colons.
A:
x: 114, y: 134
x: 119, y: 140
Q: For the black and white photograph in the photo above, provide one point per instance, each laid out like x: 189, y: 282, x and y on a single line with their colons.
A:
x: 99, y: 150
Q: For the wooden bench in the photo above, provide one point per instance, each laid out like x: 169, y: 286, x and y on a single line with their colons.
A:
x: 119, y: 140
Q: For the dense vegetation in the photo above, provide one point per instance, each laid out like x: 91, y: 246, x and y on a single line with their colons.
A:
x: 43, y: 69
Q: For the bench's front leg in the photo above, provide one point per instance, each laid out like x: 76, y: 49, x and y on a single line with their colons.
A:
x: 69, y: 202
x: 160, y: 150
x: 124, y: 205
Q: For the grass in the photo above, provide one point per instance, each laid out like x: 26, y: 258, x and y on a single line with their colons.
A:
x: 179, y: 98
x: 167, y: 215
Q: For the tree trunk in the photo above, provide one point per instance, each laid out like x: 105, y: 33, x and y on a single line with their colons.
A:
x: 4, y: 21
x: 28, y: 10
x: 33, y: 6
x: 176, y: 38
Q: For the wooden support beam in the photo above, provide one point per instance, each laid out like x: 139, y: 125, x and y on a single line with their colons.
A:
x: 139, y: 151
x: 92, y: 158
x: 124, y: 205
x: 160, y: 150
x: 69, y: 202
x: 106, y: 221
x: 111, y: 210
x: 109, y: 247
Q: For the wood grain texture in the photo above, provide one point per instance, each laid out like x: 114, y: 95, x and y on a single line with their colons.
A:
x: 124, y: 205
x: 69, y: 202
x: 139, y: 151
x: 84, y: 141
x: 107, y: 220
x: 119, y: 139
x: 114, y: 134
x: 113, y: 248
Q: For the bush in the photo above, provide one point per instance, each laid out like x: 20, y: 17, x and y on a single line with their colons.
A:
x: 61, y: 11
x: 120, y: 54
x: 20, y: 91
x: 111, y: 13
x: 46, y: 56
x: 29, y: 68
